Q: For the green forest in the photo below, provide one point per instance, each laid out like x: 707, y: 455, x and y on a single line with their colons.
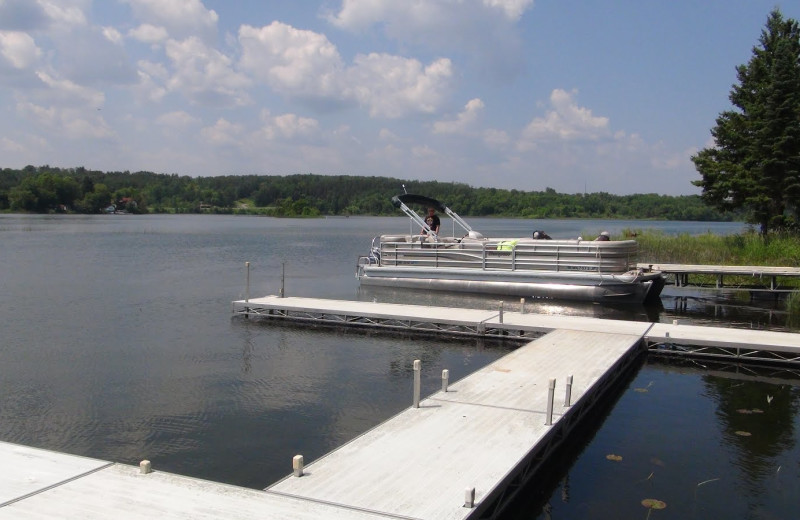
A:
x: 46, y: 189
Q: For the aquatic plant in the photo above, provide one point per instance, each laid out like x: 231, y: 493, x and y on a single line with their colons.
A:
x: 653, y: 503
x: 748, y: 248
x: 793, y: 306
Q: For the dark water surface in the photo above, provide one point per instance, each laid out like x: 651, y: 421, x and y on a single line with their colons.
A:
x: 117, y: 342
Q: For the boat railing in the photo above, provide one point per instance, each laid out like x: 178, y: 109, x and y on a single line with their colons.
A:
x: 508, y: 254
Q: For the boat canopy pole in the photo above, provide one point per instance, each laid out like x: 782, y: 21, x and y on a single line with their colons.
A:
x: 400, y: 201
x: 413, y: 215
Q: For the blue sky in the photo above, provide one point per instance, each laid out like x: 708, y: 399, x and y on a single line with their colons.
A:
x: 516, y: 94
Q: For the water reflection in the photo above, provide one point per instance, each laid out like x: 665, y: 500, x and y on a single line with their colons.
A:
x: 719, y: 442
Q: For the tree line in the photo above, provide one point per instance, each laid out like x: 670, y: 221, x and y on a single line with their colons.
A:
x: 47, y: 189
x: 754, y: 163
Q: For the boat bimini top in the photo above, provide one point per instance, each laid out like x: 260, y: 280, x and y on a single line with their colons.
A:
x: 402, y: 201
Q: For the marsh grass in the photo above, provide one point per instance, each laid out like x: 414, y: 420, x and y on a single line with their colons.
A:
x: 793, y: 308
x: 750, y: 248
x: 711, y: 249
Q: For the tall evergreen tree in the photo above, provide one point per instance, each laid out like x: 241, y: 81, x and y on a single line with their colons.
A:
x: 755, y: 163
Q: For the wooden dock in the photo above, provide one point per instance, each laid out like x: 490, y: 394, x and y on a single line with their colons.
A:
x: 763, y: 278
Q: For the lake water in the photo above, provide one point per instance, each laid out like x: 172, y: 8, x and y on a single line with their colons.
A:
x: 118, y: 343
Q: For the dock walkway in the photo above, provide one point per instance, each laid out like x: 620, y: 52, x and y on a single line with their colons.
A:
x: 480, y: 437
x: 763, y: 277
x: 461, y: 453
x: 674, y: 338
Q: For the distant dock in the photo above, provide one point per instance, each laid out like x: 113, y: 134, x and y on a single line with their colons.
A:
x: 761, y: 278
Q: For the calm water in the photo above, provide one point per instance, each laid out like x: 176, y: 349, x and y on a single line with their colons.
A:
x: 117, y: 343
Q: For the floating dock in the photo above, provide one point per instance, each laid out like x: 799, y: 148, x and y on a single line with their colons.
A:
x: 674, y: 338
x: 461, y: 453
x: 762, y: 278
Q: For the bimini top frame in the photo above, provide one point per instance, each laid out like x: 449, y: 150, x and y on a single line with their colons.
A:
x: 402, y: 201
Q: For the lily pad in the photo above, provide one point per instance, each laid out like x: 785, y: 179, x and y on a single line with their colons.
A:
x: 615, y: 458
x: 652, y: 503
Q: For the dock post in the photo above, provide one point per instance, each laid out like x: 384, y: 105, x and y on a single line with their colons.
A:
x: 297, y: 465
x: 417, y: 381
x: 500, y: 317
x: 247, y: 287
x: 145, y: 467
x: 551, y: 390
x: 469, y: 498
x: 445, y: 379
x: 568, y: 397
x: 522, y: 305
x: 283, y: 279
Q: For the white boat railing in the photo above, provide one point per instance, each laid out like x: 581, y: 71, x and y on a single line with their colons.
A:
x: 508, y: 254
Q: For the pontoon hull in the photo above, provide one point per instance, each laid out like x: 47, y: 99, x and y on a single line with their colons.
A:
x: 624, y: 288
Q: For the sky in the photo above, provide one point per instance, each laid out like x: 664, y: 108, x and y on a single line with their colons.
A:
x: 577, y: 96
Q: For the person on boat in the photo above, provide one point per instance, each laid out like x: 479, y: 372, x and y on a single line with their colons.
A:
x: 433, y: 222
x: 541, y: 235
x: 603, y: 236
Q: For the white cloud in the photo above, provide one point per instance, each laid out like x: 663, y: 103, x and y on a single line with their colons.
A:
x: 292, y: 61
x: 393, y: 86
x: 223, y: 133
x: 112, y: 35
x: 494, y: 138
x: 65, y: 13
x: 152, y: 77
x: 290, y: 125
x: 287, y: 126
x: 19, y: 49
x: 463, y: 121
x: 11, y: 146
x: 177, y: 119
x: 485, y: 31
x: 204, y: 75
x: 181, y: 18
x: 148, y: 33
x: 513, y: 9
x: 566, y: 121
x: 306, y: 65
x: 73, y: 124
x: 70, y: 93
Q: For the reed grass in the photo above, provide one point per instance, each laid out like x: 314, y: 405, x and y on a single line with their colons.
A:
x: 656, y: 247
x: 743, y: 249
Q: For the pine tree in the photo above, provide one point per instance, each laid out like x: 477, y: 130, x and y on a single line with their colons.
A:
x: 755, y: 163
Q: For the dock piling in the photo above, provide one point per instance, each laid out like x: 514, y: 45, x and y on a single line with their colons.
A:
x: 417, y: 381
x: 283, y: 280
x: 551, y: 390
x: 522, y: 305
x: 445, y: 379
x: 500, y: 316
x: 247, y: 286
x: 145, y: 467
x: 469, y: 498
x: 568, y: 396
x: 298, y: 465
